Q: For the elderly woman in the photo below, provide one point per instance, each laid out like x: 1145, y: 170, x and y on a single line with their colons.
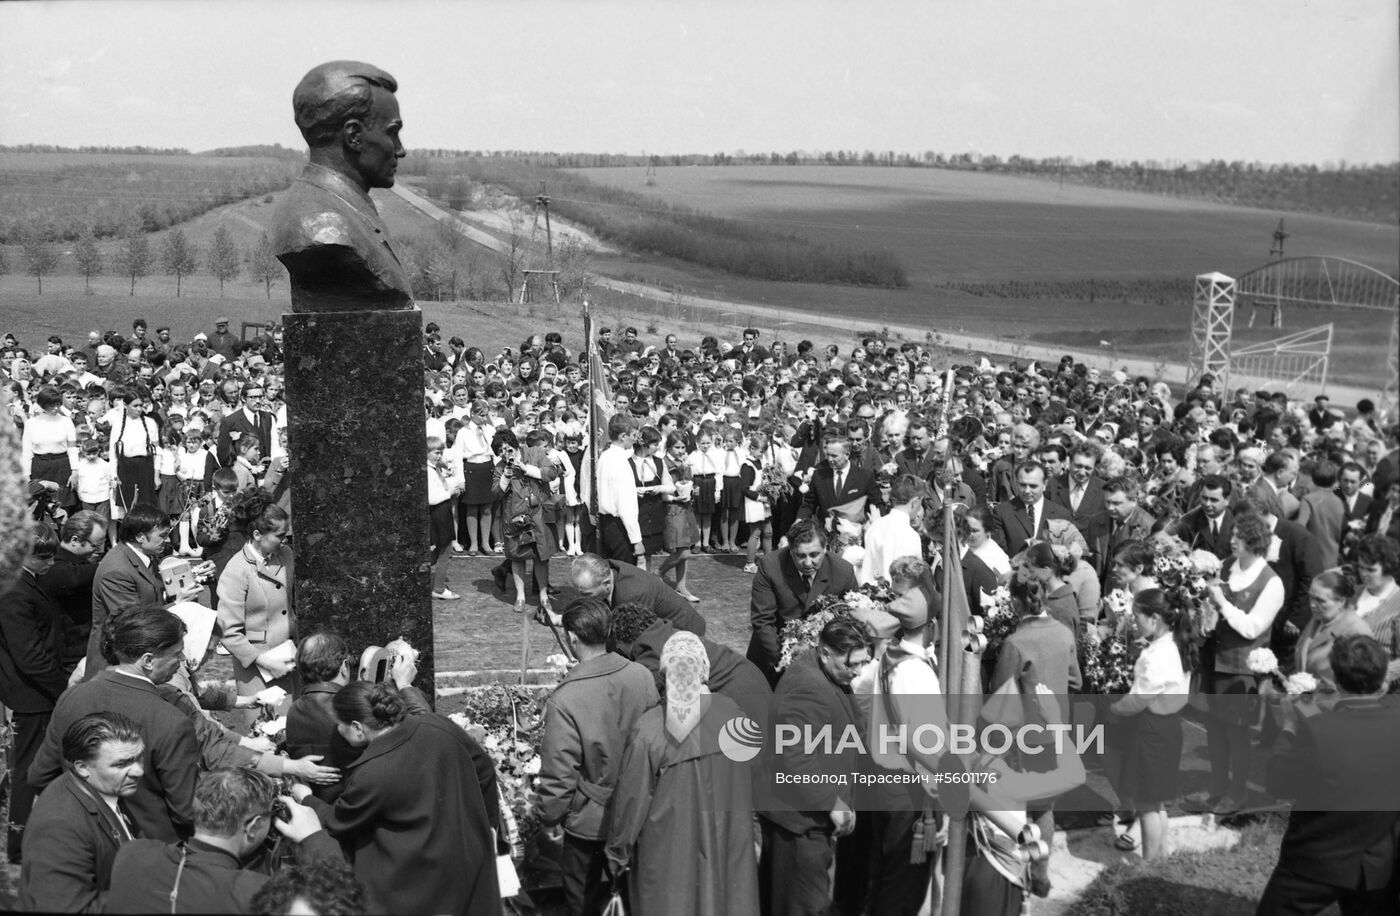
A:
x: 255, y: 601
x: 1331, y: 594
x: 1248, y: 599
x: 682, y: 811
x: 1378, y: 602
x: 522, y: 478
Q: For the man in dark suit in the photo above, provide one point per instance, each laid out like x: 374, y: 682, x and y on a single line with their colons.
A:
x: 798, y: 833
x: 1122, y: 519
x: 917, y: 457
x: 251, y: 418
x: 788, y: 582
x: 1080, y: 490
x: 324, y: 662
x: 81, y: 820
x: 69, y: 581
x: 31, y: 673
x: 152, y: 650
x: 206, y: 874
x: 1339, y: 768
x: 1322, y: 512
x: 1357, y: 504
x: 1026, y: 515
x: 129, y: 576
x: 621, y: 583
x: 837, y: 482
x: 1211, y: 524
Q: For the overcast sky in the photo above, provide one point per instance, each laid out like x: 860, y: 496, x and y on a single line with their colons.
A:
x: 1269, y: 80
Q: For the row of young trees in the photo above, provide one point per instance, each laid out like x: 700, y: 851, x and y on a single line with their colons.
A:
x: 133, y: 258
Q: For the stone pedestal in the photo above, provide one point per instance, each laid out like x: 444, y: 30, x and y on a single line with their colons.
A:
x: 359, y: 485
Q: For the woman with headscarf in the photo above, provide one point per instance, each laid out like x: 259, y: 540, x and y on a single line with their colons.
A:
x: 683, y: 811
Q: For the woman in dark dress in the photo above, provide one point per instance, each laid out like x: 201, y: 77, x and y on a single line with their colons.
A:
x: 653, y: 486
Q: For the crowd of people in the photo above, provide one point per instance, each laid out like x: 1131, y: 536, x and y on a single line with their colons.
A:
x: 821, y: 471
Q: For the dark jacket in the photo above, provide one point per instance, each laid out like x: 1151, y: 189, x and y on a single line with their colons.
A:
x: 238, y: 422
x: 780, y: 594
x: 821, y: 494
x: 69, y: 582
x: 31, y: 639
x: 1089, y: 506
x: 1011, y: 523
x: 1339, y: 769
x: 1103, y: 540
x: 586, y: 723
x: 1194, y: 529
x: 631, y: 584
x: 211, y: 879
x: 807, y: 699
x: 69, y: 844
x: 163, y: 806
x: 1299, y: 562
x: 415, y: 816
x: 122, y: 580
x: 1049, y: 646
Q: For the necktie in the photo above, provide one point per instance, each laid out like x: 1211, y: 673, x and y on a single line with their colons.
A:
x: 1214, y: 528
x: 840, y: 482
x: 1075, y: 497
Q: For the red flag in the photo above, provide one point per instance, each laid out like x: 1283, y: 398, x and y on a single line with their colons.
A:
x: 599, y: 411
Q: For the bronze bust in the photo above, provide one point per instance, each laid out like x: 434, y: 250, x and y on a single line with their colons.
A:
x: 326, y: 231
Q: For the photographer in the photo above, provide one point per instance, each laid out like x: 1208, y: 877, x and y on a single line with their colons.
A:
x: 234, y: 811
x: 523, y: 476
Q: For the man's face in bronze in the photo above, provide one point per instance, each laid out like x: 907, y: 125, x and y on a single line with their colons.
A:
x: 379, y: 151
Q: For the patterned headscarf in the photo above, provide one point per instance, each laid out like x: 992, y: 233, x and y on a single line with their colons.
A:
x: 686, y: 666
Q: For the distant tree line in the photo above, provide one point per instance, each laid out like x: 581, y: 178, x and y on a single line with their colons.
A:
x: 1145, y: 291
x: 1369, y: 192
x: 63, y: 203
x: 132, y: 258
x: 107, y: 150
x: 646, y: 225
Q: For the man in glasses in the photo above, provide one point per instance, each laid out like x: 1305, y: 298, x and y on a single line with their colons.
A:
x: 252, y: 419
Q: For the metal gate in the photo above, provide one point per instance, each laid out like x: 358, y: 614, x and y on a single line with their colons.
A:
x: 1298, y: 359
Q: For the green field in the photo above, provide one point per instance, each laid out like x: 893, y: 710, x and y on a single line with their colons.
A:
x: 951, y: 226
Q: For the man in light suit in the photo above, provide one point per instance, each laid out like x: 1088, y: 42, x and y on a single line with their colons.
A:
x: 1024, y: 517
x: 837, y: 482
x: 1211, y: 524
x: 129, y: 575
x: 621, y: 583
x: 787, y: 584
x: 1121, y: 520
x: 1339, y: 768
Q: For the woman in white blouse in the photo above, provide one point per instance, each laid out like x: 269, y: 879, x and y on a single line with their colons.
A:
x: 1150, y: 710
x: 135, y: 438
x: 49, y: 445
x: 474, y: 510
x: 1248, y: 601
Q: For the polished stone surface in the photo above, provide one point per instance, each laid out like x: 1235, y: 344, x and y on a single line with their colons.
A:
x: 359, y: 481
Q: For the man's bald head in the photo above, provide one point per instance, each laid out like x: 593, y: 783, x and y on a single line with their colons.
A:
x: 334, y: 93
x: 592, y: 576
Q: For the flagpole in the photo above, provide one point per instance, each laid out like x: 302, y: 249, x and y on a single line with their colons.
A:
x: 951, y: 669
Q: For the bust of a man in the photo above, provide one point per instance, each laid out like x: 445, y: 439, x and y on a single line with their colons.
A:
x: 326, y: 230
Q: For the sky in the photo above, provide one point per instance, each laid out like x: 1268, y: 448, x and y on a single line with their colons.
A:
x: 1258, y: 80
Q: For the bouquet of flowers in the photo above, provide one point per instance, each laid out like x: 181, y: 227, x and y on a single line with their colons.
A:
x: 1186, y: 576
x: 1262, y: 662
x: 801, y: 635
x: 508, y: 722
x: 999, y: 621
x: 773, y: 485
x: 1110, y: 652
x: 1299, y: 683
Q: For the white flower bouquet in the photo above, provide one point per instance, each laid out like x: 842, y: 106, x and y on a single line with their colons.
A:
x: 1262, y: 661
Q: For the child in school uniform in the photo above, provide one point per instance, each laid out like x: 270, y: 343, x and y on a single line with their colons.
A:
x: 682, y: 531
x: 705, y: 465
x: 731, y: 494
x: 757, y: 512
x: 573, y: 499
x: 167, y: 479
